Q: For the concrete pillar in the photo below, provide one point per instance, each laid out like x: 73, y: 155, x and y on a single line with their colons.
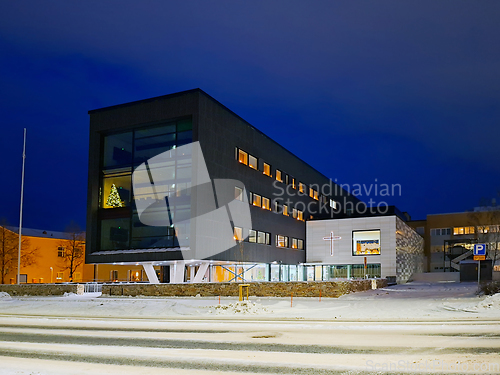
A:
x: 177, y: 272
x: 198, y: 278
x: 151, y: 273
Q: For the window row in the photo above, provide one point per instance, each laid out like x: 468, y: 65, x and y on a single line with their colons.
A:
x: 283, y: 241
x: 253, y: 162
x: 260, y: 237
x: 489, y: 229
x: 463, y: 230
x: 265, y: 203
x: 254, y: 236
x: 440, y: 232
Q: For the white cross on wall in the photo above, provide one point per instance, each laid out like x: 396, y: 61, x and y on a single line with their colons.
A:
x: 331, y: 238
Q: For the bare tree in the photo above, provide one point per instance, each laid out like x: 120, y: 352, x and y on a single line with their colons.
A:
x: 487, y: 229
x: 74, y: 249
x: 9, y: 248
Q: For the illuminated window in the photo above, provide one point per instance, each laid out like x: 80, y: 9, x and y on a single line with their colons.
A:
x: 77, y: 276
x: 294, y: 243
x: 293, y: 183
x: 267, y: 169
x: 294, y: 213
x: 252, y: 162
x: 300, y: 244
x: 59, y: 276
x: 285, y: 210
x: 313, y: 193
x: 300, y: 215
x: 60, y: 252
x: 277, y: 207
x: 281, y: 241
x: 242, y: 157
x: 263, y: 238
x: 463, y: 230
x: 113, y: 275
x: 265, y: 203
x: 238, y: 193
x: 279, y: 176
x: 116, y: 187
x: 238, y: 234
x: 256, y: 199
x: 302, y: 187
x: 252, y: 236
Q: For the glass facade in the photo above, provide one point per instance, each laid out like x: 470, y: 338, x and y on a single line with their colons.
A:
x: 119, y: 224
x: 291, y: 272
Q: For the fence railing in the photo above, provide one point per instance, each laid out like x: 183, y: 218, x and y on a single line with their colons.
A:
x: 92, y: 288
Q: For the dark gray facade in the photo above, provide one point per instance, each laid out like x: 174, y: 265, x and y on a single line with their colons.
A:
x: 220, y: 133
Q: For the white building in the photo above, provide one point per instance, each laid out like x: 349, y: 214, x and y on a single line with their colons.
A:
x: 339, y: 248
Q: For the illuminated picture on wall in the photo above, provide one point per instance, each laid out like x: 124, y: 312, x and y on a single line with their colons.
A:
x: 366, y: 242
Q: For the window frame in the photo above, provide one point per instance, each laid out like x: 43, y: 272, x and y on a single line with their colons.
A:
x: 279, y: 175
x: 243, y: 160
x: 256, y: 167
x: 266, y: 167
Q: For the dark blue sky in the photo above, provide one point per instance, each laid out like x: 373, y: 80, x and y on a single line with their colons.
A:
x: 403, y: 92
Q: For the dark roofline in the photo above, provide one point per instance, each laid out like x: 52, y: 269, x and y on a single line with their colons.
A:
x: 173, y: 95
x: 391, y: 211
x: 198, y: 90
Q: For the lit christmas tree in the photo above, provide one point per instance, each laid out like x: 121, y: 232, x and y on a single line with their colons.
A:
x: 114, y: 199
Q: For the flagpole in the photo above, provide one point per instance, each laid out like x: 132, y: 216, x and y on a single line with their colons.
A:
x: 21, y: 215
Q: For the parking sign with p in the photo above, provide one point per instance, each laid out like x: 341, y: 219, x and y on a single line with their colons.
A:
x: 480, y: 249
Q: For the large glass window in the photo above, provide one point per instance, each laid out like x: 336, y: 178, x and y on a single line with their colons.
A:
x: 115, y: 234
x: 116, y: 188
x: 366, y: 242
x: 153, y: 141
x: 166, y: 177
x: 146, y: 236
x: 117, y: 150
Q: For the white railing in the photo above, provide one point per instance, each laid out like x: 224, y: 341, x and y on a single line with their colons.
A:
x: 92, y: 288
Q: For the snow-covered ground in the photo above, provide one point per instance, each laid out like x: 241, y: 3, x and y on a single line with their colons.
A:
x: 416, y: 327
x: 422, y: 301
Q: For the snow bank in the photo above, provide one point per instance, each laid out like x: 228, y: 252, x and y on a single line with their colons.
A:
x: 244, y: 307
x: 490, y: 302
x: 5, y: 295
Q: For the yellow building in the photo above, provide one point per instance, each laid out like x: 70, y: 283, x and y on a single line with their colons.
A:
x: 49, y: 255
x: 45, y: 257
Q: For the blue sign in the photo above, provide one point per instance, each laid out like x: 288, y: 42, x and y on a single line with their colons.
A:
x: 480, y: 249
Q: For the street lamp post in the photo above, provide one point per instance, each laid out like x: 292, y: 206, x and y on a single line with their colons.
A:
x: 21, y: 214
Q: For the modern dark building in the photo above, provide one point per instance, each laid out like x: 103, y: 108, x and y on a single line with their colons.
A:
x: 151, y: 165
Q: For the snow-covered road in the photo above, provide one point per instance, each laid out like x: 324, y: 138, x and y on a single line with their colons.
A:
x: 407, y: 328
